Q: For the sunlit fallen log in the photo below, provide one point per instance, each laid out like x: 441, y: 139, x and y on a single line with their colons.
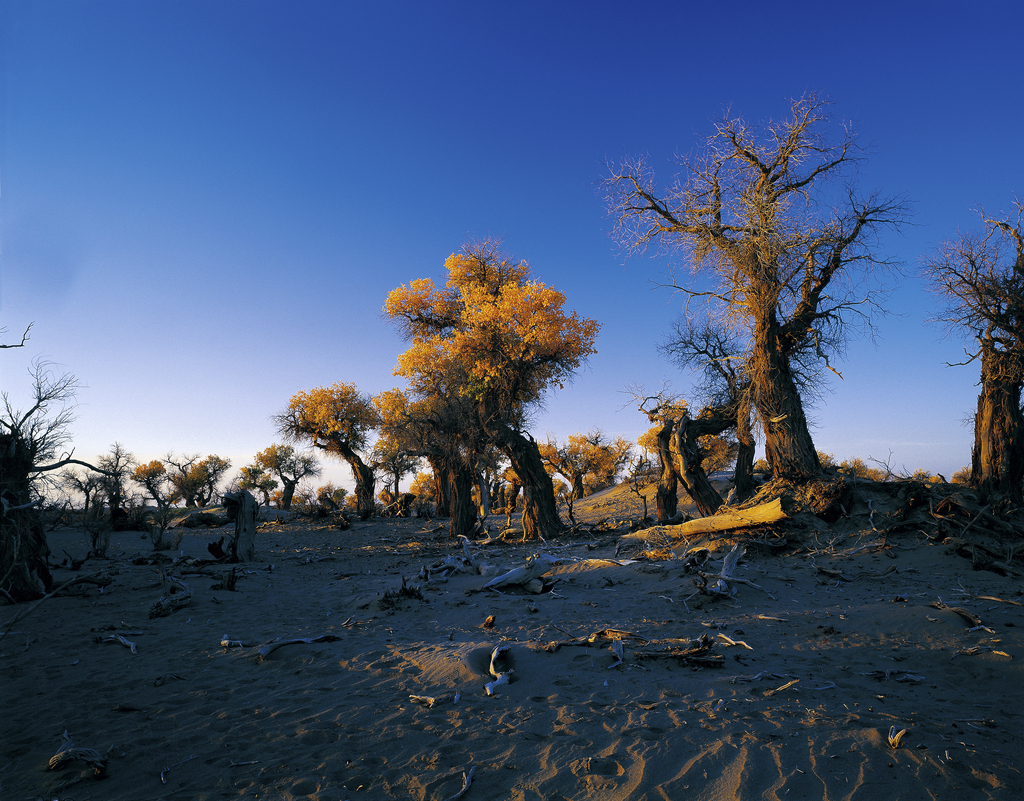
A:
x: 729, y: 519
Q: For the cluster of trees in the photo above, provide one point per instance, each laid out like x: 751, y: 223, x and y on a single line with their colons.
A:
x: 484, y: 349
x: 786, y: 265
x: 785, y: 257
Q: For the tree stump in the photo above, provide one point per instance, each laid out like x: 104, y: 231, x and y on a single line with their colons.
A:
x: 242, y: 508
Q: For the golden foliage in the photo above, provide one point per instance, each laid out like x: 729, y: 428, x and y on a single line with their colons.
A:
x: 148, y: 472
x: 506, y: 336
x: 335, y: 418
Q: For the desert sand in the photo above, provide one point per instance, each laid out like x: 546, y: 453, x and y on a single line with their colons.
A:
x: 840, y: 640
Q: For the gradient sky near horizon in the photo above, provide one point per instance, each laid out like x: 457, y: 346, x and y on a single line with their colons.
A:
x: 204, y: 204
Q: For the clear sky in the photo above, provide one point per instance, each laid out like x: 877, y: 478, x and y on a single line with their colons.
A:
x: 204, y: 204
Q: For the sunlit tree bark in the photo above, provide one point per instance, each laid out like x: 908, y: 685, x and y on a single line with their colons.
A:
x: 783, y: 255
x: 981, y: 279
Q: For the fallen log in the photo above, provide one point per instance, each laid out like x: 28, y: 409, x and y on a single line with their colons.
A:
x: 535, y: 567
x: 728, y: 519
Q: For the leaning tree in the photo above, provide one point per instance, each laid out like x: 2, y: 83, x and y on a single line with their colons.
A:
x: 786, y: 253
x: 511, y: 338
x: 980, y: 277
x: 337, y: 420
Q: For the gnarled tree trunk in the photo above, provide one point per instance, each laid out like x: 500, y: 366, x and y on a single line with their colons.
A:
x: 787, y: 439
x: 997, y: 459
x: 24, y: 574
x: 241, y: 507
x: 743, y: 478
x: 688, y: 454
x: 540, y: 513
x: 461, y: 508
x: 667, y: 494
x: 441, y: 491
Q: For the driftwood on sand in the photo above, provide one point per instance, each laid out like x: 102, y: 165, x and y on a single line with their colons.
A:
x: 500, y: 667
x: 525, y: 576
x: 177, y: 595
x: 69, y: 752
x: 728, y: 519
x: 696, y: 653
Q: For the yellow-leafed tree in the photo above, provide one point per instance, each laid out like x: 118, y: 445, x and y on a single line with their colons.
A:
x: 511, y: 340
x: 338, y: 420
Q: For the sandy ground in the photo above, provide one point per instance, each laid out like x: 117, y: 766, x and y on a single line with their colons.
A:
x: 827, y: 666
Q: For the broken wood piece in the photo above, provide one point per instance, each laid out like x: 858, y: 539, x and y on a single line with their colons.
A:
x: 499, y: 660
x: 896, y: 736
x: 467, y: 779
x: 974, y: 650
x: 266, y: 650
x: 69, y: 751
x: 617, y: 650
x: 226, y: 642
x: 598, y: 638
x: 491, y: 686
x: 242, y: 508
x: 117, y: 638
x: 730, y: 641
x: 163, y: 773
x: 427, y: 700
x: 970, y: 618
x: 535, y: 567
x: 177, y: 595
x: 500, y: 667
x: 786, y: 686
x: 727, y: 519
x: 697, y: 652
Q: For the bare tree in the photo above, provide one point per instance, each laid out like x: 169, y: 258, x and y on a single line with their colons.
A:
x: 981, y: 279
x: 117, y: 467
x: 716, y: 353
x: 785, y: 257
x: 31, y: 442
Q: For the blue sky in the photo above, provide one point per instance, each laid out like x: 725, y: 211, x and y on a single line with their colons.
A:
x: 204, y: 204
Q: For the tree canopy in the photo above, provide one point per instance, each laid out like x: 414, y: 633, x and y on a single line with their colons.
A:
x: 339, y: 421
x: 785, y: 256
x: 504, y: 339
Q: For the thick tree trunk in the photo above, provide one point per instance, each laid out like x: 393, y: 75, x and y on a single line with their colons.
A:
x: 787, y: 439
x: 667, y: 494
x: 540, y: 513
x: 689, y: 459
x: 997, y: 459
x: 441, y: 491
x: 24, y: 574
x: 743, y: 479
x: 485, y: 495
x: 287, y: 493
x: 577, y: 486
x: 365, y: 485
x: 512, y: 497
x: 462, y: 509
